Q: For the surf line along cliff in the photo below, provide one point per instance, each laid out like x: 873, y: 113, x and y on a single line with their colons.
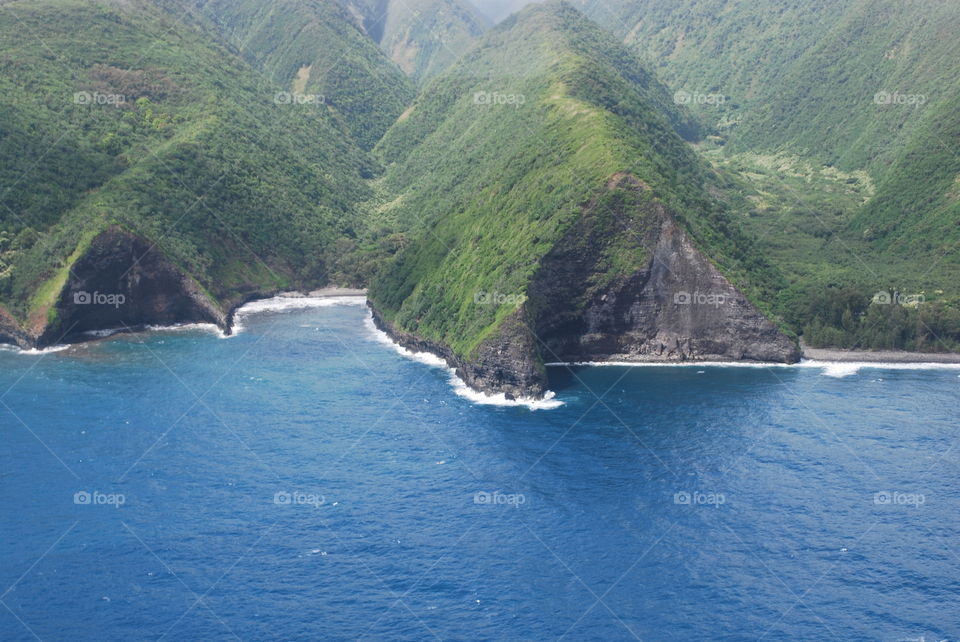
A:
x: 121, y: 281
x: 677, y: 308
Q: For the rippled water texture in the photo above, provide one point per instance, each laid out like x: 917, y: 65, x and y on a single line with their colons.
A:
x: 303, y: 480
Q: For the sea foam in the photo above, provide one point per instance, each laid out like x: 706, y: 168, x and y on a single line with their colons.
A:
x: 289, y: 303
x: 34, y: 351
x: 459, y: 385
x: 837, y: 369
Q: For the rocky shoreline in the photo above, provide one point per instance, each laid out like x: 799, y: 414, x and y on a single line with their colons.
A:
x: 12, y: 334
x: 877, y: 356
x: 505, y: 369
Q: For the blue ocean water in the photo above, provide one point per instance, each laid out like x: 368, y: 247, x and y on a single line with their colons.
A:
x: 304, y: 481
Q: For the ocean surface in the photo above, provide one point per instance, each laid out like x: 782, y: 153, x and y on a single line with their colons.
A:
x: 304, y: 480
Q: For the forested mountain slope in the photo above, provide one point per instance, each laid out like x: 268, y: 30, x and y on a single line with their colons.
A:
x: 813, y: 104
x: 563, y: 217
x: 423, y: 37
x: 138, y: 148
x: 314, y: 50
x: 801, y: 77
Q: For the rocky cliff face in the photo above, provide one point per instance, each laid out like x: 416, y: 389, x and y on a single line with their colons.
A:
x: 678, y: 307
x: 11, y: 332
x: 506, y: 363
x: 122, y: 281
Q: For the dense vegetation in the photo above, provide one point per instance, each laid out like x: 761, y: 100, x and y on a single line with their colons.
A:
x: 499, y: 156
x: 858, y: 92
x: 423, y: 37
x: 799, y: 76
x: 315, y: 51
x: 119, y: 114
x: 236, y: 136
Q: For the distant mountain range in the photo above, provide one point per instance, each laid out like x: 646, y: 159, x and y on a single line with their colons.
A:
x: 654, y: 180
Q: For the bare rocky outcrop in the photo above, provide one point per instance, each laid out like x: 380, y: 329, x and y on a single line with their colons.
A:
x: 11, y: 332
x: 677, y: 307
x: 122, y: 281
x: 507, y: 362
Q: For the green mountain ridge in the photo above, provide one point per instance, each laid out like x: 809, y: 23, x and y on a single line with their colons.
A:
x: 545, y: 124
x: 543, y: 197
x: 799, y: 77
x: 856, y: 86
x: 423, y: 37
x: 157, y: 130
x: 313, y: 49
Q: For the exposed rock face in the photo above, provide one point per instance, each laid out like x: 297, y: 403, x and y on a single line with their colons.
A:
x: 507, y: 363
x: 680, y: 307
x: 11, y: 332
x: 124, y: 282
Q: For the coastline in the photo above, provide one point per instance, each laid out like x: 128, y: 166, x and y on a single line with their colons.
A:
x: 877, y: 356
x: 227, y: 325
x: 842, y: 361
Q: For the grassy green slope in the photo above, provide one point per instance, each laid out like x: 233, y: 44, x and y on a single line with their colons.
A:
x: 805, y: 131
x: 500, y: 154
x: 425, y: 37
x: 916, y: 212
x: 314, y: 48
x: 827, y: 105
x: 799, y: 77
x: 197, y: 157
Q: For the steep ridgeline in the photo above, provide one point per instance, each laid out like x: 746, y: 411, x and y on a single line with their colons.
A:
x: 916, y: 210
x: 149, y: 175
x: 807, y: 77
x: 423, y: 37
x: 865, y: 91
x: 558, y: 215
x: 314, y: 50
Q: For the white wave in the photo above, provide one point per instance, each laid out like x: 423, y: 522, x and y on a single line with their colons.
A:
x: 290, y: 302
x: 463, y: 390
x: 101, y: 333
x: 838, y: 369
x: 847, y: 368
x: 212, y: 328
x: 459, y: 385
x: 39, y: 351
x: 673, y: 364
